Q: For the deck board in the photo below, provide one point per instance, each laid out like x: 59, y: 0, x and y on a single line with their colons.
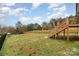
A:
x: 74, y: 25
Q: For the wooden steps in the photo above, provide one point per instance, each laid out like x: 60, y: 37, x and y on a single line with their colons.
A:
x: 62, y: 25
x: 58, y: 29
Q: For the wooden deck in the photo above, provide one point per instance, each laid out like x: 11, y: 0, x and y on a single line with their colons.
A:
x: 74, y: 25
x: 65, y: 24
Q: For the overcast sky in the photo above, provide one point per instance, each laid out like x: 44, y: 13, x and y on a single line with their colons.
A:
x: 33, y: 12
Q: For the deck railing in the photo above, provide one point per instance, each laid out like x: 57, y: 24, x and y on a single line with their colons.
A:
x: 64, y: 24
x: 61, y: 26
x: 69, y: 20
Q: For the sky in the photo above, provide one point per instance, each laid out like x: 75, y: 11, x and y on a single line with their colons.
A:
x: 28, y: 13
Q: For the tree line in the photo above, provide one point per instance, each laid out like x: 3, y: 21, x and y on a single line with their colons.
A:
x: 21, y: 28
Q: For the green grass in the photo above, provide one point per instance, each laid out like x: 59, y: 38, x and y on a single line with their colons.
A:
x: 38, y: 44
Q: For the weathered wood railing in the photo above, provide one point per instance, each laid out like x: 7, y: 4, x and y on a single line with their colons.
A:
x: 61, y: 26
x: 64, y: 24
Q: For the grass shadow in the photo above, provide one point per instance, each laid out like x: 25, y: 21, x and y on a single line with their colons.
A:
x: 71, y: 38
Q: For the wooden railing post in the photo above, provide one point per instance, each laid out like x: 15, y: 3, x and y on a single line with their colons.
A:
x: 64, y: 33
x: 68, y: 34
x: 68, y: 29
x: 67, y: 21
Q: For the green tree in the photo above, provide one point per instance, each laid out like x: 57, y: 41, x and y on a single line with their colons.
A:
x: 37, y: 26
x: 19, y: 28
x: 52, y: 23
x: 30, y: 27
x: 45, y: 26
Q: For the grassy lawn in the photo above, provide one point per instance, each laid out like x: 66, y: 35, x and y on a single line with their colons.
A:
x: 38, y: 44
